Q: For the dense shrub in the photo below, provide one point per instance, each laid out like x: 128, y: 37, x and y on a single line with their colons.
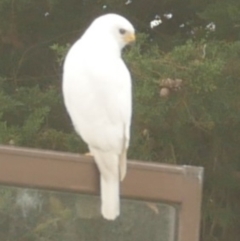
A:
x: 195, y: 123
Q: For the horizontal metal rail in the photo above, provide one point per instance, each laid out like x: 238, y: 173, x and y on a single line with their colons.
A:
x: 77, y: 173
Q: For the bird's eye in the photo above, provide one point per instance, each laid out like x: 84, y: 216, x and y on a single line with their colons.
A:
x: 122, y: 31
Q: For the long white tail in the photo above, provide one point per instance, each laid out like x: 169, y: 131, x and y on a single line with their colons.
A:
x: 108, y: 165
x: 110, y: 198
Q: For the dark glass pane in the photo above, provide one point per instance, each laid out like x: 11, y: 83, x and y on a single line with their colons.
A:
x: 41, y: 215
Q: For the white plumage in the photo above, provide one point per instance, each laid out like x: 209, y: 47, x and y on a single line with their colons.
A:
x: 97, y: 96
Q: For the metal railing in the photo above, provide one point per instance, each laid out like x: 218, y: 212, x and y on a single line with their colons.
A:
x: 181, y: 185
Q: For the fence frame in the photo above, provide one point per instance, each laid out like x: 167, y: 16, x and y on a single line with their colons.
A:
x: 182, y: 185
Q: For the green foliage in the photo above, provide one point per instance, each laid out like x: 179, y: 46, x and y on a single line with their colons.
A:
x: 225, y: 14
x: 196, y: 124
x: 61, y: 51
x: 37, y: 118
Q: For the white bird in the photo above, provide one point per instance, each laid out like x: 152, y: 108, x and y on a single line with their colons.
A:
x: 98, y: 97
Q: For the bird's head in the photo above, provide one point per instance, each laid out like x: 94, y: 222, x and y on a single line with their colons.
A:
x: 116, y: 26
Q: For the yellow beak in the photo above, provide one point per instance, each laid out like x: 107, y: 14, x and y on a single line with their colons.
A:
x: 129, y: 38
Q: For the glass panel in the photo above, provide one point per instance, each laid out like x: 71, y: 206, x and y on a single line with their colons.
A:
x: 41, y: 215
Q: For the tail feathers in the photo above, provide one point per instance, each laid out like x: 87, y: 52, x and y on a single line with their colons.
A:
x: 108, y: 165
x: 123, y: 156
x: 110, y: 198
x: 123, y: 164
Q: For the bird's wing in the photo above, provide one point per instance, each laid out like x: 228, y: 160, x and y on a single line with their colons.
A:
x: 98, y: 98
